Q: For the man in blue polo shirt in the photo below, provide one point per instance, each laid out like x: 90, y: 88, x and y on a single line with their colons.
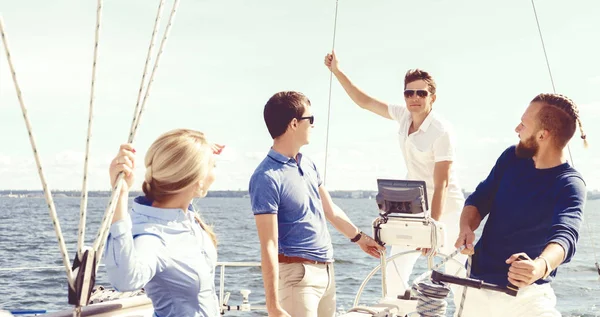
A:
x: 534, y: 203
x: 291, y: 209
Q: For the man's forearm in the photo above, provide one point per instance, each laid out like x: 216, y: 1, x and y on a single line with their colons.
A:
x: 470, y: 218
x: 270, y: 273
x: 357, y: 95
x: 554, y: 254
x: 437, y: 202
x: 342, y: 223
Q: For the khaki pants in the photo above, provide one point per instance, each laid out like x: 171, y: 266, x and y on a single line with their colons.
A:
x: 533, y: 300
x: 307, y: 290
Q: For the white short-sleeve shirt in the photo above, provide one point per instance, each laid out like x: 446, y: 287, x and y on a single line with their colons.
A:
x: 431, y: 143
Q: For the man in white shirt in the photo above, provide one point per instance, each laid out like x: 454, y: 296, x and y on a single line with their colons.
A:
x: 428, y: 149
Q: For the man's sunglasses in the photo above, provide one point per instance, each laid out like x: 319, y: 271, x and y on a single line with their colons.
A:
x: 420, y: 92
x: 311, y: 119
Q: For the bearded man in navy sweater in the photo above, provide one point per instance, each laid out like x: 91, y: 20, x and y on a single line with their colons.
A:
x: 533, y: 200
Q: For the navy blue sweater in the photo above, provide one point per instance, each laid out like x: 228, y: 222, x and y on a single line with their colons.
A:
x: 527, y: 208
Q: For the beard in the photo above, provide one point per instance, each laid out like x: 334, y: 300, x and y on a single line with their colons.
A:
x: 527, y: 149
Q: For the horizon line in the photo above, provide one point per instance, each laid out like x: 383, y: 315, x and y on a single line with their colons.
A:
x: 215, y: 190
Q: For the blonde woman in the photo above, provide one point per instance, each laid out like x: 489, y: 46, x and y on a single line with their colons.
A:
x: 162, y: 244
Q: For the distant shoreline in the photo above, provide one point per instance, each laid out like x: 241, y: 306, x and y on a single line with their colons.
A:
x: 357, y: 194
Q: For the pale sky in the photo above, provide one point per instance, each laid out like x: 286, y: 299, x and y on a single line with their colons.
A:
x: 224, y: 59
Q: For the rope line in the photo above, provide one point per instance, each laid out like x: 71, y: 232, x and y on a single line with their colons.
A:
x: 110, y: 209
x: 47, y: 194
x: 84, y: 190
x: 329, y: 101
x: 431, y: 297
x: 148, y: 58
x: 156, y: 62
x: 464, y: 292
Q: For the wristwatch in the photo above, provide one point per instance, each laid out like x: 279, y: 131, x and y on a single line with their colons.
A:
x: 357, y: 237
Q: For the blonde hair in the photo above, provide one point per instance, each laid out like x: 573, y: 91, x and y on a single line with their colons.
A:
x: 177, y: 160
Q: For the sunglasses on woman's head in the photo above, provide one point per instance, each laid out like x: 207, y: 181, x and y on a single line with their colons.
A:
x: 217, y: 148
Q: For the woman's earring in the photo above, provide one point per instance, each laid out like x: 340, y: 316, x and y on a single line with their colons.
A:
x: 201, y: 189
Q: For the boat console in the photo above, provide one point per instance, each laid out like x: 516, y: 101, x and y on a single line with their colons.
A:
x: 404, y: 216
x: 404, y: 220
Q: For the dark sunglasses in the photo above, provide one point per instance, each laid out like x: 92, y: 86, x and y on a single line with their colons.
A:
x: 311, y: 119
x: 420, y: 92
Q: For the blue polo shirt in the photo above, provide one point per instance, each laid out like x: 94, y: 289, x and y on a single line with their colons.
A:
x: 290, y: 189
x: 527, y: 208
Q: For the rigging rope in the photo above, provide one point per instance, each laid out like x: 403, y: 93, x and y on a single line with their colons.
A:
x: 329, y: 101
x: 432, y: 296
x: 148, y: 58
x: 47, y: 194
x: 589, y: 229
x: 464, y: 292
x: 84, y: 192
x: 431, y: 299
x: 105, y: 225
x: 110, y: 209
x: 155, y: 67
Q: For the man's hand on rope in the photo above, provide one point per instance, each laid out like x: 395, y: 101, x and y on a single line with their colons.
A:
x: 466, y: 237
x: 331, y: 62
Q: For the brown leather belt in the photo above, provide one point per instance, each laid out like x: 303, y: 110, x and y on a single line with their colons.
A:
x: 297, y: 259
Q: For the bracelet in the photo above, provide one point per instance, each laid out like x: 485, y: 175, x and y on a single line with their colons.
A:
x: 356, y: 237
x: 548, y: 267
